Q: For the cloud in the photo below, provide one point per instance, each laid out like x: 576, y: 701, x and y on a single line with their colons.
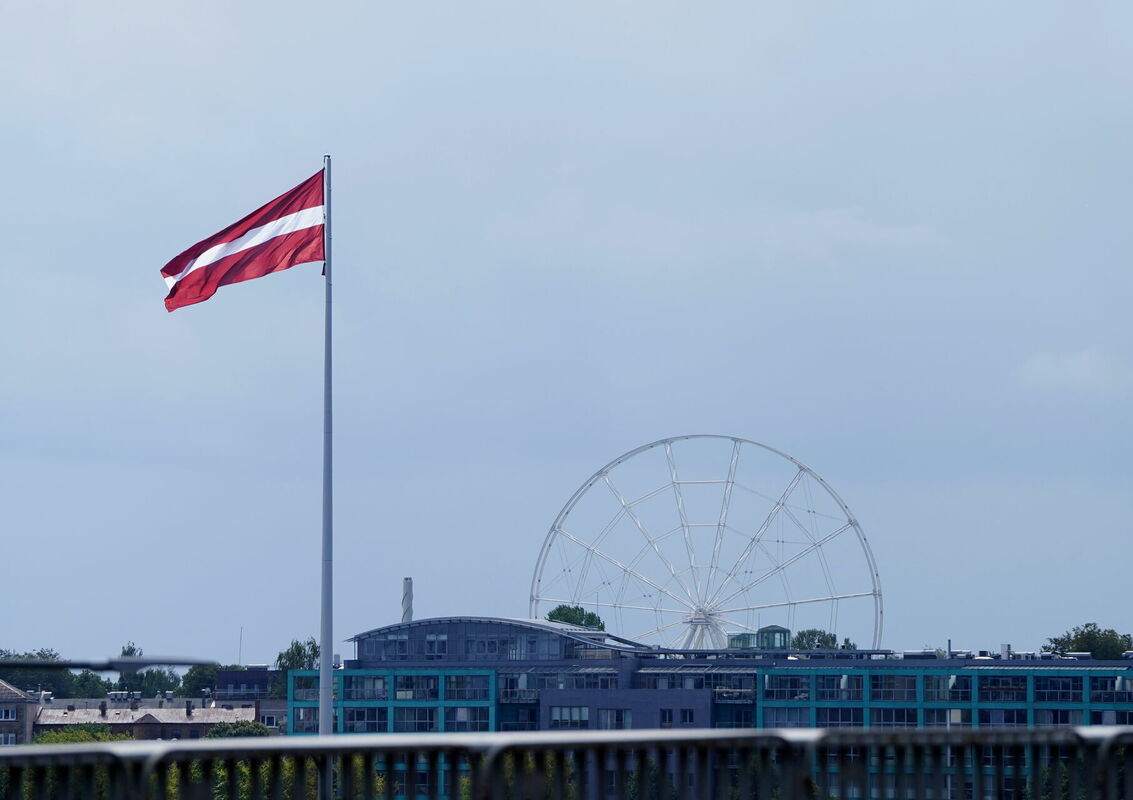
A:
x: 1091, y: 371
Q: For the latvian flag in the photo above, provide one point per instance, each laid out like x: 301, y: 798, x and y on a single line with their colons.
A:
x: 285, y: 232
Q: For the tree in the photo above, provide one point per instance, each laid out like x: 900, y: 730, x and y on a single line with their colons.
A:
x: 1089, y: 638
x: 89, y: 684
x: 576, y: 615
x: 198, y: 677
x: 298, y: 655
x: 154, y: 681
x: 59, y: 681
x: 814, y: 639
x: 128, y: 678
x: 245, y: 727
x: 80, y: 733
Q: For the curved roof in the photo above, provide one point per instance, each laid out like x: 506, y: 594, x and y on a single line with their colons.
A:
x: 576, y: 632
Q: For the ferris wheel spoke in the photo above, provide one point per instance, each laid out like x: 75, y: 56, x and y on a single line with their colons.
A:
x: 610, y: 604
x: 812, y: 535
x: 686, y: 531
x: 757, y: 536
x: 599, y: 554
x: 609, y: 527
x: 725, y: 503
x: 807, y: 601
x: 660, y: 629
x: 648, y: 538
x: 737, y: 624
x: 782, y: 565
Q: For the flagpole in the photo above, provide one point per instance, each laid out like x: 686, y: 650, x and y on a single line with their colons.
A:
x: 326, y: 640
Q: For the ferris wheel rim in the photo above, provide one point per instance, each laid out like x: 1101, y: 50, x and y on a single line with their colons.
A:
x: 557, y: 529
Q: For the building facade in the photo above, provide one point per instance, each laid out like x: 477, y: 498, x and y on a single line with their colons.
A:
x: 491, y: 674
x: 143, y: 721
x: 17, y: 713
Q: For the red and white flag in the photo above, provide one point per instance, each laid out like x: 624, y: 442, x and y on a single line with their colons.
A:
x: 285, y: 232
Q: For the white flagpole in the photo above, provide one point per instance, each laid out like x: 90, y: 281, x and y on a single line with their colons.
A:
x: 326, y: 640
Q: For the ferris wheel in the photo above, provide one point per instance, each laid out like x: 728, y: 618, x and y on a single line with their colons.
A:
x: 688, y: 540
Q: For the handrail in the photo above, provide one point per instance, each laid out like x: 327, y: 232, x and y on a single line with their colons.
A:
x: 795, y: 764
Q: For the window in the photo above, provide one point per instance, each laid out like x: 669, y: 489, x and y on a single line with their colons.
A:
x: 436, y: 645
x: 947, y: 688
x: 730, y: 686
x: 416, y: 687
x: 570, y: 717
x: 306, y: 720
x: 549, y: 680
x: 947, y: 717
x: 268, y: 720
x: 1003, y: 717
x: 1049, y: 717
x: 1111, y: 717
x: 306, y: 687
x: 893, y: 718
x: 490, y: 649
x: 466, y: 687
x: 1111, y: 689
x: 396, y: 647
x: 1066, y: 689
x: 604, y: 680
x: 366, y: 720
x: 414, y: 719
x: 467, y: 719
x: 614, y: 719
x: 7, y: 739
x: 1003, y: 688
x: 901, y: 688
x: 838, y: 718
x: 735, y: 716
x: 840, y: 687
x: 786, y: 717
x: 515, y: 686
x: 786, y: 687
x: 365, y: 687
x: 666, y: 717
x: 7, y: 713
x: 686, y: 716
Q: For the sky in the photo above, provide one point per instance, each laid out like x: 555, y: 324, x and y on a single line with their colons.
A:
x: 888, y: 239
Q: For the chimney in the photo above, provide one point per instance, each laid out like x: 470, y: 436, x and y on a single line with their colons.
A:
x: 102, y: 709
x: 188, y: 708
x: 406, y: 599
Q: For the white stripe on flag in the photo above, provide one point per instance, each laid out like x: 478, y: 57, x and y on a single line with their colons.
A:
x: 307, y: 218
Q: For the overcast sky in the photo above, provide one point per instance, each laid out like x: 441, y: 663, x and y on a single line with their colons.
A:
x: 890, y: 239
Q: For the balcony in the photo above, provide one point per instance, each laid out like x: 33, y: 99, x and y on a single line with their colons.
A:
x: 519, y: 695
x: 722, y: 695
x: 590, y: 765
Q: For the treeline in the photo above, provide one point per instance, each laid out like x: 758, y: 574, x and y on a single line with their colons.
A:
x: 65, y: 683
x: 152, y: 681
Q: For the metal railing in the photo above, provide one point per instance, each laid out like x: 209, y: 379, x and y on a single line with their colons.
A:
x: 975, y: 764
